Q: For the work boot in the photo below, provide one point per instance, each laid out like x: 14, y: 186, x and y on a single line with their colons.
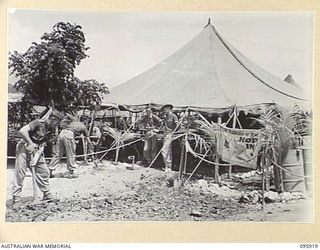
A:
x: 16, y: 204
x: 167, y: 170
x: 16, y: 200
x: 72, y: 175
x: 50, y: 198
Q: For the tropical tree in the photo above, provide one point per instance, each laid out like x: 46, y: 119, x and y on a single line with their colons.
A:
x: 45, y: 72
x: 88, y: 93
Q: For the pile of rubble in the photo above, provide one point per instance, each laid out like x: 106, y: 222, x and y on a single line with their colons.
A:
x: 255, y: 196
x: 245, y: 175
x: 223, y: 189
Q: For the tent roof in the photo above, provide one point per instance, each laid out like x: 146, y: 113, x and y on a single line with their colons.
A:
x: 290, y: 79
x: 208, y: 73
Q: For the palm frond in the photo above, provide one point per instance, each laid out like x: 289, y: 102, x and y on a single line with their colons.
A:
x: 120, y: 137
x: 280, y: 128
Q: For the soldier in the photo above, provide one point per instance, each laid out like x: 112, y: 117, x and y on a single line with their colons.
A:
x: 95, y: 138
x: 170, y: 124
x: 150, y: 121
x: 66, y: 144
x: 33, y: 135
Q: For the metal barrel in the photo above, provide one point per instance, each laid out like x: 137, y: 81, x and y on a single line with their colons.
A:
x: 293, y: 180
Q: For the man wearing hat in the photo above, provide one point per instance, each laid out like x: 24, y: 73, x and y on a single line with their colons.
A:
x: 150, y: 121
x: 170, y: 124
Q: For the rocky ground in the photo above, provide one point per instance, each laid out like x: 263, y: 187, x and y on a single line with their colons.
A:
x: 116, y: 193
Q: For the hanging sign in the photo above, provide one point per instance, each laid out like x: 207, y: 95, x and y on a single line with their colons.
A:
x: 239, y: 146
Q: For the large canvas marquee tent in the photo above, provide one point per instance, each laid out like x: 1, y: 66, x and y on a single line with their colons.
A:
x: 206, y: 73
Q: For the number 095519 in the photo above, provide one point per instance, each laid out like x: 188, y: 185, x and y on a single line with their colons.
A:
x: 308, y: 246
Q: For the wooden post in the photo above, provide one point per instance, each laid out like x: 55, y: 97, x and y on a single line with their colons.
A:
x: 93, y: 114
x: 277, y: 173
x: 84, y: 145
x: 230, y: 171
x: 115, y: 119
x: 216, y: 166
x: 263, y: 177
x: 186, y: 140
x: 267, y: 164
x: 280, y: 175
x: 267, y: 176
x: 117, y: 153
x: 234, y: 123
x: 182, y: 155
x: 185, y: 162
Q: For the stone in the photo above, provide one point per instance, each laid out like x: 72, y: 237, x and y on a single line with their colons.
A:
x: 299, y: 195
x: 271, y: 197
x: 250, y: 197
x: 286, y: 196
x: 203, y: 185
x: 196, y: 213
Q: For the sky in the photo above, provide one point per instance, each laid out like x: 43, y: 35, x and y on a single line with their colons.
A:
x: 125, y: 44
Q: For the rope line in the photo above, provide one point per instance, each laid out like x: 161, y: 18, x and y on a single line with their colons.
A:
x: 195, y: 169
x: 289, y: 172
x: 94, y: 153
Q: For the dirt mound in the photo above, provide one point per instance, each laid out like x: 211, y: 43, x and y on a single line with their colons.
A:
x: 114, y: 193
